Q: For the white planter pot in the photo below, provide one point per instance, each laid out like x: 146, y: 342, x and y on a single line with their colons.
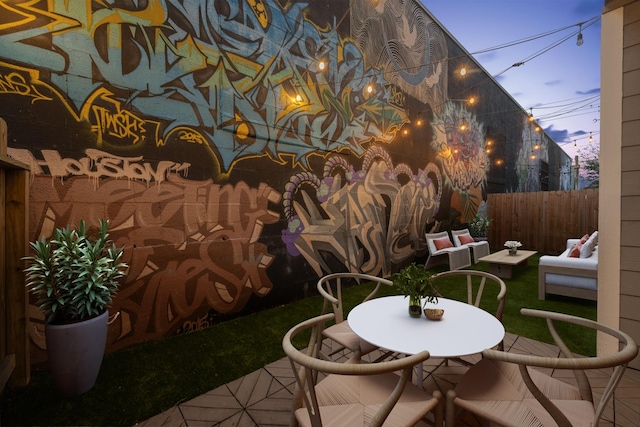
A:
x: 75, y: 353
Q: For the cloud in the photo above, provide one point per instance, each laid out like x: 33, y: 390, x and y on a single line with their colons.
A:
x: 589, y: 92
x: 559, y: 136
x: 553, y: 82
x: 485, y: 57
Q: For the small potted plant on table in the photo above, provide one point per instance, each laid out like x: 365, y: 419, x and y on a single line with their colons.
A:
x: 416, y: 282
x: 74, y: 277
x: 513, y: 246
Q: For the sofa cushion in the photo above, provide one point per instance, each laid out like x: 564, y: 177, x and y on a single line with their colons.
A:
x: 442, y: 243
x: 584, y: 238
x: 465, y: 238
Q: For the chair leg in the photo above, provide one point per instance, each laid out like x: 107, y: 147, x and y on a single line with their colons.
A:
x: 439, y: 413
x: 450, y: 410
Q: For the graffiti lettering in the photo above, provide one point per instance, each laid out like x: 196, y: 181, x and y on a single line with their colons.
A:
x: 397, y: 96
x: 14, y: 83
x: 205, y: 236
x: 193, y: 137
x: 251, y: 72
x: 358, y: 226
x: 121, y: 124
x: 97, y: 164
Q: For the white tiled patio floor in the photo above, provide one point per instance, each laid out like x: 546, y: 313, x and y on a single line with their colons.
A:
x: 264, y: 397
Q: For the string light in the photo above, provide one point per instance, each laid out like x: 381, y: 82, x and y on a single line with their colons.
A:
x: 575, y: 144
x: 369, y: 88
x: 580, y: 39
x: 590, y: 137
x: 321, y: 65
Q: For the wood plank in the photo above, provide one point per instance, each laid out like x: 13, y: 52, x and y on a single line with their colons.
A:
x: 14, y: 206
x: 7, y: 366
x: 16, y: 245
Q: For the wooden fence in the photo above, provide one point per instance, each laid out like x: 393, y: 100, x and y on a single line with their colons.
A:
x: 542, y: 221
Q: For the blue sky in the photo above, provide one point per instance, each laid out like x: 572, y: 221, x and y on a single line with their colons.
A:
x: 563, y: 83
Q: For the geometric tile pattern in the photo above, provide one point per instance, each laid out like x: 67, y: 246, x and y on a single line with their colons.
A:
x: 264, y: 398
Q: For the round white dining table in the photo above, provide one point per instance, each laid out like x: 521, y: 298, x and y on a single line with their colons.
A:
x: 463, y: 330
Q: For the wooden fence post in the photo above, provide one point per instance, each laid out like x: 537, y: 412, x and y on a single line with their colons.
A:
x: 14, y: 208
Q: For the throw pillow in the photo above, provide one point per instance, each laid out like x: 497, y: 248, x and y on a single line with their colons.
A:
x: 575, y: 250
x: 584, y: 239
x: 587, y: 249
x: 465, y: 238
x: 442, y: 243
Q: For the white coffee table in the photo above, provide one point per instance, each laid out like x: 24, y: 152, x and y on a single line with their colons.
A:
x: 463, y: 330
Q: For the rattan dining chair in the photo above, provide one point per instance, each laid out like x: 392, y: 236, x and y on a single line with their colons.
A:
x: 330, y: 287
x: 475, y: 281
x: 355, y: 394
x: 506, y: 389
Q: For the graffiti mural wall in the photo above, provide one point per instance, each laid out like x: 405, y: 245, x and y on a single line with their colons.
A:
x: 243, y: 148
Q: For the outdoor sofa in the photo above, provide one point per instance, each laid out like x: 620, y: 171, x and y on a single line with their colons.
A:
x: 573, y: 276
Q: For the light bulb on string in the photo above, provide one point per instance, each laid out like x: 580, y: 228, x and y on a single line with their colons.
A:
x: 580, y: 39
x: 575, y: 144
x: 590, y: 137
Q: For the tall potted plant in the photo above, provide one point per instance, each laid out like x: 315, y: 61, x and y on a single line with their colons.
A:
x: 415, y: 282
x: 478, y: 227
x: 74, y: 277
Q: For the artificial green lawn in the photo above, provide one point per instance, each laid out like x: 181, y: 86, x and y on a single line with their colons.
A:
x: 138, y: 383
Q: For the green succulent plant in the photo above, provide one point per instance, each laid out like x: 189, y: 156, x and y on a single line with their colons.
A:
x: 74, y: 276
x: 416, y: 282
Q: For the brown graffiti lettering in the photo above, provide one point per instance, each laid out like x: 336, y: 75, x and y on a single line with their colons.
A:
x: 97, y: 164
x: 191, y: 246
